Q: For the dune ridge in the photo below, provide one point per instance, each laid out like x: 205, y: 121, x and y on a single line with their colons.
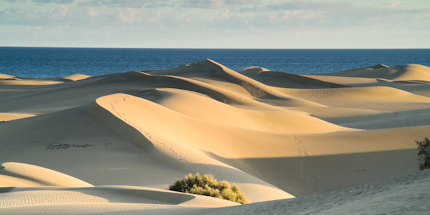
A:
x: 287, y: 80
x: 411, y: 72
x: 114, y: 143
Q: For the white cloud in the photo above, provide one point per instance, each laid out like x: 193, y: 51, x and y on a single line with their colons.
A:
x: 129, y: 3
x: 242, y: 2
x: 207, y: 4
x: 217, y: 4
x: 54, y: 1
x: 116, y: 3
x: 309, y: 5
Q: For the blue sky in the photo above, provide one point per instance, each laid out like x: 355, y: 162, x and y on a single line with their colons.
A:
x: 216, y: 23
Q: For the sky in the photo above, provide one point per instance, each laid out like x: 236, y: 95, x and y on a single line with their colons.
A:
x: 279, y: 24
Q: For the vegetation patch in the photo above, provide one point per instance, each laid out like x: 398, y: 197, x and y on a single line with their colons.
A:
x: 424, y: 153
x: 208, y: 186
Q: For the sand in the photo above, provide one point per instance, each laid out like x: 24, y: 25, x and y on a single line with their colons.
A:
x: 335, y: 143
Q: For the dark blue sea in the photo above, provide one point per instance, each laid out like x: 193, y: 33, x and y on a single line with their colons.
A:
x: 57, y: 62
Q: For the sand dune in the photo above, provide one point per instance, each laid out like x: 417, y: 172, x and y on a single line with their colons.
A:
x: 26, y: 175
x: 411, y: 72
x: 12, y: 116
x: 101, y: 199
x: 19, y: 81
x: 211, y: 70
x: 370, y: 98
x: 4, y: 76
x: 286, y: 80
x: 404, y: 195
x: 114, y: 143
x: 385, y: 120
x: 76, y: 77
x: 25, y: 82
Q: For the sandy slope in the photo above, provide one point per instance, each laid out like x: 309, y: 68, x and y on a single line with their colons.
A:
x: 113, y: 143
x: 404, y: 195
x: 26, y: 175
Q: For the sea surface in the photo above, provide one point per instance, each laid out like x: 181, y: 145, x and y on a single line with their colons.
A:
x: 58, y: 62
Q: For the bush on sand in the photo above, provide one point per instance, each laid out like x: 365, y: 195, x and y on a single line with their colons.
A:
x: 208, y: 186
x: 424, y: 154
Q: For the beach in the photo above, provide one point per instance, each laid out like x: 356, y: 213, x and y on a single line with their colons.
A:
x: 331, y: 143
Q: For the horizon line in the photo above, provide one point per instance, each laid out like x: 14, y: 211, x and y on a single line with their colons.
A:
x: 89, y: 47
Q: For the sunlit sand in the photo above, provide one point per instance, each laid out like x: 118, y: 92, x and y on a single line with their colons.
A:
x: 341, y: 142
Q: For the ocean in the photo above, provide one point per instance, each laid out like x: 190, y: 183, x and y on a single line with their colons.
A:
x: 57, y: 62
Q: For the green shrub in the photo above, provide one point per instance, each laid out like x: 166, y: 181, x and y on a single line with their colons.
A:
x: 208, y: 186
x: 424, y: 154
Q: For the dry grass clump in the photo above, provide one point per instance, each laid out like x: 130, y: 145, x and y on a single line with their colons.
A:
x: 209, y: 186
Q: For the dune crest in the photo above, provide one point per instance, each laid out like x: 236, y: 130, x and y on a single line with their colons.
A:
x: 75, y: 77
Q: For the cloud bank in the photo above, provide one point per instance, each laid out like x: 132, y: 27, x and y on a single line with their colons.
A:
x: 216, y: 23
